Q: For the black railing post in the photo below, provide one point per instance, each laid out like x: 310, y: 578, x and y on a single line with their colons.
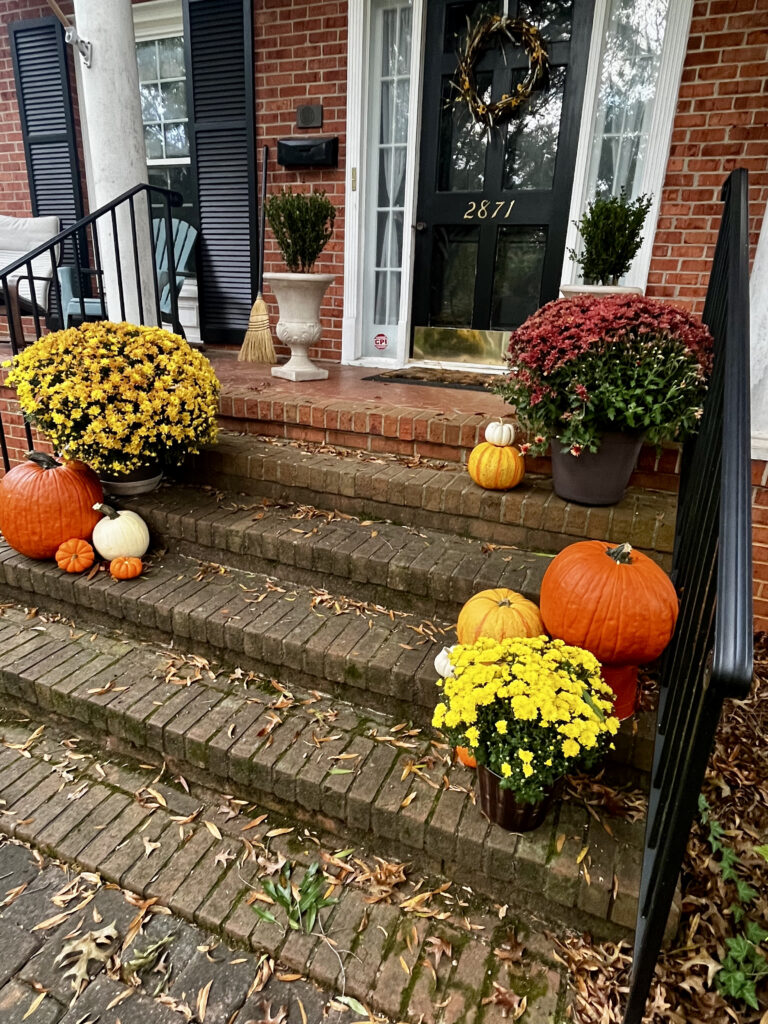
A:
x: 710, y: 656
x: 169, y: 245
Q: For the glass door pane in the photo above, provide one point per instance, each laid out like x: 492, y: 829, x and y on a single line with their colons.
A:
x: 384, y: 182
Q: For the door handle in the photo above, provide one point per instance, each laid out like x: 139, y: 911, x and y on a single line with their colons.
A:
x: 420, y: 225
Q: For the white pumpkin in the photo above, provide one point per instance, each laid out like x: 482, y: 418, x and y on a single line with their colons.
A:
x: 121, y: 534
x: 501, y: 434
x: 443, y: 665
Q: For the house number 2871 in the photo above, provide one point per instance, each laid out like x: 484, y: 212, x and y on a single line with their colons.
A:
x: 486, y: 210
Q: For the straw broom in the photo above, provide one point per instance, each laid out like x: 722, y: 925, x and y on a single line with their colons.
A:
x: 257, y: 344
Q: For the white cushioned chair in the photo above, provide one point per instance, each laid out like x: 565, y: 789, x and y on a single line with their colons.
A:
x: 18, y: 236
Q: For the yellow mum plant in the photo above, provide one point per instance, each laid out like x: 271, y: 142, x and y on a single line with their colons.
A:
x: 118, y: 396
x: 530, y: 709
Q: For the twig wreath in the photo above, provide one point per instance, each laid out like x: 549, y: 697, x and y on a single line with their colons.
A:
x: 484, y: 33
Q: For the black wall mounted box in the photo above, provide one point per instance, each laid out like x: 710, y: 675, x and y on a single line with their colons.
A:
x: 308, y: 151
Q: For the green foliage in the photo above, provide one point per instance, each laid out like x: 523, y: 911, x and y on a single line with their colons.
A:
x: 611, y: 229
x: 744, y: 964
x: 301, y: 904
x: 302, y: 223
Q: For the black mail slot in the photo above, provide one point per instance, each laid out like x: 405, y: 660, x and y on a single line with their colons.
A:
x: 306, y: 151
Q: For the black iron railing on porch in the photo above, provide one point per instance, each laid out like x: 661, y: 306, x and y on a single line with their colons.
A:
x: 32, y: 288
x: 710, y: 657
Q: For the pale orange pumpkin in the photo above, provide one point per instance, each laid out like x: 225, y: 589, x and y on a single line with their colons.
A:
x: 496, y: 467
x: 74, y: 555
x: 125, y: 568
x: 499, y: 614
x: 465, y: 757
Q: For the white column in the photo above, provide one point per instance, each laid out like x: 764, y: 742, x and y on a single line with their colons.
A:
x: 113, y: 138
x: 758, y: 314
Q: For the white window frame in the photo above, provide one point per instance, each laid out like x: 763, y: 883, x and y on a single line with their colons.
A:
x: 673, y: 52
x: 654, y: 168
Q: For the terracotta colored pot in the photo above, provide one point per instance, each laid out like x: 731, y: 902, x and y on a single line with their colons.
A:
x: 463, y: 755
x: 501, y: 806
x: 622, y: 679
x: 596, y: 478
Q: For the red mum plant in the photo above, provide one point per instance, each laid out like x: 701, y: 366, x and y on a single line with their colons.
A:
x: 586, y: 365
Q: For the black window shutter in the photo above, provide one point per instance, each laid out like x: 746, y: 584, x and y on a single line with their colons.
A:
x: 218, y: 40
x: 40, y: 67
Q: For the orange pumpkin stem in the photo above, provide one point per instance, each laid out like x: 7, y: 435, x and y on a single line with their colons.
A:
x: 42, y: 459
x: 622, y: 555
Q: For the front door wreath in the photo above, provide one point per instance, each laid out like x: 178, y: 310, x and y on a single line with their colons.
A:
x: 487, y: 31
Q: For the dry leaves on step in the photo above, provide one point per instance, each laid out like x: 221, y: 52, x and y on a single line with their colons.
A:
x: 281, y: 1015
x: 512, y: 1005
x: 76, y: 955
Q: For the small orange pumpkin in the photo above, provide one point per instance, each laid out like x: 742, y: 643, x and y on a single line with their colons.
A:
x: 496, y: 467
x: 126, y: 568
x: 499, y: 614
x: 74, y: 555
x: 464, y: 755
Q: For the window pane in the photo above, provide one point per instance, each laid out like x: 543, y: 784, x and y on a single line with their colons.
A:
x: 517, y: 278
x: 530, y: 146
x: 629, y: 72
x: 153, y: 141
x: 147, y: 60
x: 151, y: 103
x: 388, y: 42
x: 552, y: 17
x: 404, y: 42
x: 174, y: 99
x: 176, y: 142
x: 454, y: 264
x: 180, y: 179
x: 457, y: 15
x: 171, y: 56
x: 463, y: 142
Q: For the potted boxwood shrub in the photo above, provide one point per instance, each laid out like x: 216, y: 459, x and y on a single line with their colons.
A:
x: 124, y: 399
x: 530, y: 710
x: 611, y: 230
x: 596, y: 375
x: 302, y: 223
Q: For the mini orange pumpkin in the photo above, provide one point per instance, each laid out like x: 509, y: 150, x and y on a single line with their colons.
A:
x: 126, y: 568
x: 498, y: 614
x: 74, y: 555
x: 496, y: 467
x: 464, y: 756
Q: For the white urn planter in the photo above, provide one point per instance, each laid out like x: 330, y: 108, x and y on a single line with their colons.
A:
x: 299, y: 297
x: 568, y: 291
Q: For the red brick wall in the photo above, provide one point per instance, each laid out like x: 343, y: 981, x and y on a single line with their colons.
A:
x: 300, y: 56
x: 721, y: 123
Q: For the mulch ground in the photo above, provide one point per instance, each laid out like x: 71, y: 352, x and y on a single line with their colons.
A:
x: 685, y: 989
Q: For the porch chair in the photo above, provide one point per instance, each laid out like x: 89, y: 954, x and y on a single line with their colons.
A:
x: 77, y: 310
x: 18, y: 236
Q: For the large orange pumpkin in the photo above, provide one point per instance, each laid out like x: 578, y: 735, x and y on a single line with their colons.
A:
x: 613, y: 601
x: 499, y: 614
x: 44, y: 503
x: 496, y: 467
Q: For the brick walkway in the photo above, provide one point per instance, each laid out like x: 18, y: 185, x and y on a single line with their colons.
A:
x: 418, y: 950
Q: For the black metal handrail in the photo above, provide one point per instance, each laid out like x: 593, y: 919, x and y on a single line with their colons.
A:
x: 45, y: 300
x: 710, y: 657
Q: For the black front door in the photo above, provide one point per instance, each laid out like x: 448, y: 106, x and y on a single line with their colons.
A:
x: 493, y: 207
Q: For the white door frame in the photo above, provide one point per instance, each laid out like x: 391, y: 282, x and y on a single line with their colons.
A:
x: 665, y: 105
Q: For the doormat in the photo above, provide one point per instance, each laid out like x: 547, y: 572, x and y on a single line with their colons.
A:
x: 434, y: 377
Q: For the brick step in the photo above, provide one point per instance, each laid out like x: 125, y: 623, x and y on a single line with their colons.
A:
x: 327, y: 763
x: 438, y: 496
x: 410, y: 569
x: 378, y: 659
x: 92, y: 810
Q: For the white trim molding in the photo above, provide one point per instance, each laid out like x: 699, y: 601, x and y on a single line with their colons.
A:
x: 157, y: 19
x: 673, y: 53
x: 358, y: 97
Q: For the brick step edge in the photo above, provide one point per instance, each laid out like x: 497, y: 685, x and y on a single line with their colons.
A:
x: 98, y: 820
x: 530, y: 516
x: 221, y: 738
x: 372, y: 661
x: 380, y: 562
